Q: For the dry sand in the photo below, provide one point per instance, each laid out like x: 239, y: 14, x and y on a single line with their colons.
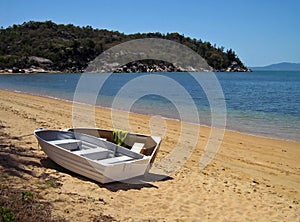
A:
x: 250, y: 179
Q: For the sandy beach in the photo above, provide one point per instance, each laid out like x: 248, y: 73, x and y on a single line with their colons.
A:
x: 250, y: 179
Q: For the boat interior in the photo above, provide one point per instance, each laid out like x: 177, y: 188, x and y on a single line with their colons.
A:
x: 98, y: 145
x: 135, y: 142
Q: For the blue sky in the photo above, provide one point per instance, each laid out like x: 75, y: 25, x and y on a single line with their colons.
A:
x: 261, y: 32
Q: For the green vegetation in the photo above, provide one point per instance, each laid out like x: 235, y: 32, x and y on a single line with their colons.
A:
x: 6, y: 215
x: 18, y: 205
x: 53, y: 182
x: 70, y: 48
x: 27, y: 196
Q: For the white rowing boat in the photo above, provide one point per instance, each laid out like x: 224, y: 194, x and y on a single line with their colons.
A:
x: 93, y: 153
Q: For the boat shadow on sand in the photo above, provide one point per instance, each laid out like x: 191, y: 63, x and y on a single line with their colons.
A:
x: 136, y: 183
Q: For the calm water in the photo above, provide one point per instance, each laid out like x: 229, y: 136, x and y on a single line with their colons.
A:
x: 261, y: 103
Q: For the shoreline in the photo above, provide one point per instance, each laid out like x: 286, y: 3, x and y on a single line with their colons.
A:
x: 148, y: 115
x: 250, y: 179
x: 35, y: 73
x: 121, y: 70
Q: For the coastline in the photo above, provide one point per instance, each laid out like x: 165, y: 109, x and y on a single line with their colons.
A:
x: 135, y: 67
x: 34, y: 73
x: 149, y: 116
x: 251, y: 178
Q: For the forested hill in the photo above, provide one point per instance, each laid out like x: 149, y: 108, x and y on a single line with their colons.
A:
x: 69, y: 48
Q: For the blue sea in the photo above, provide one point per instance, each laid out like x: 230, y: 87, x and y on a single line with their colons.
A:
x: 264, y: 103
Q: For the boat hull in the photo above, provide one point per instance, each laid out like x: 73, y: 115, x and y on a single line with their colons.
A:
x: 101, y: 166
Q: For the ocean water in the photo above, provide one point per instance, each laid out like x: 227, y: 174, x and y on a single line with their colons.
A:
x: 264, y: 103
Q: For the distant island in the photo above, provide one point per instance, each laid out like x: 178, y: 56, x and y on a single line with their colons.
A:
x: 283, y: 66
x: 35, y: 47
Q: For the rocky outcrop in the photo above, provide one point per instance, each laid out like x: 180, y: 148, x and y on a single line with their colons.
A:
x: 28, y: 71
x: 234, y: 67
x: 163, y: 67
x: 142, y: 67
x: 40, y: 60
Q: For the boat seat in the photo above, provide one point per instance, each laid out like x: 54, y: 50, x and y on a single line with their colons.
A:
x: 58, y: 142
x: 89, y: 151
x: 137, y: 147
x: 113, y: 160
x: 68, y: 144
